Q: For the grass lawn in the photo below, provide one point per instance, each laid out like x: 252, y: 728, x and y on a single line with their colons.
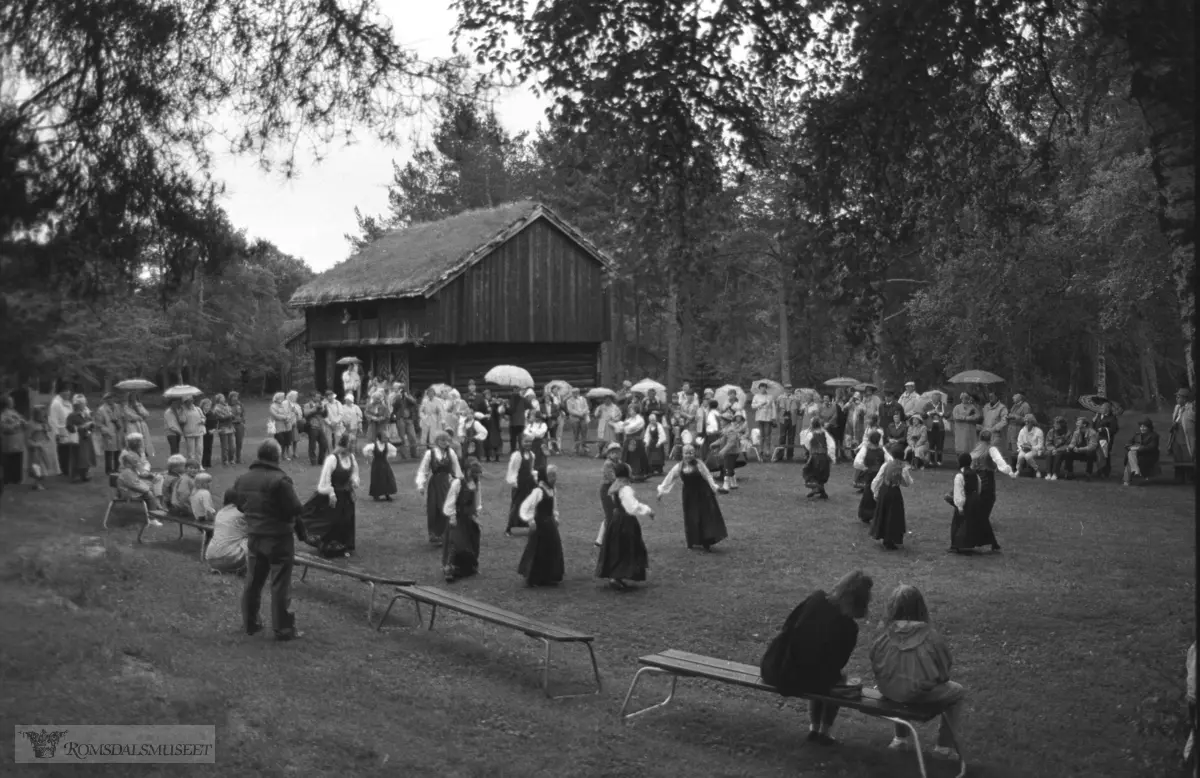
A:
x: 1071, y: 641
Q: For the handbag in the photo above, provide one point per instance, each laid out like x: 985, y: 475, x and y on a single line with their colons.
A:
x: 271, y: 426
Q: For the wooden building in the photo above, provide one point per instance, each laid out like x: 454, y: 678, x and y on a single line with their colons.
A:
x: 443, y: 302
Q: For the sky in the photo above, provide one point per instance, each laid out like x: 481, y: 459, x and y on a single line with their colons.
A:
x: 308, y: 215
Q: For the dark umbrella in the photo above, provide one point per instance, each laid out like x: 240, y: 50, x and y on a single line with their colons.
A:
x: 1094, y: 402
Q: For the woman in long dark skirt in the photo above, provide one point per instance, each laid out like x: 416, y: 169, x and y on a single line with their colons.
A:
x: 380, y: 454
x: 889, y: 523
x: 703, y: 523
x: 608, y: 474
x: 985, y: 461
x: 821, y: 446
x: 623, y: 555
x: 460, y: 551
x: 542, y: 562
x: 871, y: 456
x: 656, y: 439
x: 438, y: 466
x: 493, y: 445
x: 969, y: 529
x: 522, y: 477
x: 329, y: 515
x: 210, y: 428
x: 635, y: 446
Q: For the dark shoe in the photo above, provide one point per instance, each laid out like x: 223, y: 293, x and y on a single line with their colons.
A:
x: 257, y: 628
x: 813, y: 737
x: 289, y: 634
x: 995, y: 547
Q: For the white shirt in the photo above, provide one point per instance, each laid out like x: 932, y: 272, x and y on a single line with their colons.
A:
x: 960, y: 491
x: 712, y: 422
x: 514, y: 466
x: 662, y: 434
x: 352, y: 417
x: 350, y: 380
x: 450, y: 507
x: 676, y: 474
x: 578, y: 407
x: 425, y: 471
x: 1032, y: 438
x: 325, y: 484
x: 807, y: 435
x: 57, y: 417
x: 227, y: 549
x: 629, y: 501
x: 860, y: 459
x: 877, y: 484
x: 634, y: 425
x: 529, y: 506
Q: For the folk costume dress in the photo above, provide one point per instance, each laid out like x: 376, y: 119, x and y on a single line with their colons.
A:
x: 703, y: 522
x: 460, y: 549
x: 655, y: 440
x: 437, y: 468
x: 542, y: 562
x: 608, y: 475
x: 969, y: 529
x: 635, y: 447
x: 383, y: 480
x: 986, y: 463
x: 867, y: 463
x: 623, y: 555
x: 331, y: 528
x: 820, y: 445
x: 889, y: 523
x: 522, y: 477
x: 540, y: 446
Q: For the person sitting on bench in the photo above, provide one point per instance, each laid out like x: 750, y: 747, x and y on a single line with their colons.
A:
x: 1057, y: 440
x: 1084, y: 445
x: 226, y: 552
x: 911, y: 662
x: 1142, y: 452
x: 135, y: 481
x: 810, y: 652
x: 1030, y: 441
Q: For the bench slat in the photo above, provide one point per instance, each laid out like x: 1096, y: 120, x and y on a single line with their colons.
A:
x: 186, y: 522
x: 350, y: 572
x: 492, y: 614
x: 696, y: 665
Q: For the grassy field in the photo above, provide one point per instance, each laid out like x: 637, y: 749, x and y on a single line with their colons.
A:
x: 1071, y: 641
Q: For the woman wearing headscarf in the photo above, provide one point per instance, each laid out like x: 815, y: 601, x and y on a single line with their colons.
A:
x: 460, y: 550
x: 623, y: 556
x: 965, y: 416
x: 703, y: 522
x: 635, y: 446
x: 911, y: 661
x: 136, y: 419
x: 135, y: 481
x: 1142, y: 452
x: 280, y: 414
x: 986, y: 460
x: 870, y: 458
x: 970, y: 528
x: 438, y: 467
x: 224, y: 416
x: 329, y: 515
x: 542, y: 561
x: 238, y: 412
x: 889, y: 523
x: 810, y: 652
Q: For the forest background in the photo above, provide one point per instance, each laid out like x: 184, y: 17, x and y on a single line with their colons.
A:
x: 892, y: 192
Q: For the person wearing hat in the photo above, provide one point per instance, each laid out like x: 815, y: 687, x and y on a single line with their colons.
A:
x: 910, y: 401
x: 1183, y: 430
x: 889, y: 408
x: 1084, y: 447
x: 1030, y: 446
x: 522, y: 478
x: 438, y: 468
x: 1142, y: 452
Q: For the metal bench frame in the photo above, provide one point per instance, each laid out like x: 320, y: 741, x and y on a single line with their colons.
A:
x: 649, y: 669
x: 362, y: 576
x: 116, y: 498
x: 181, y: 523
x: 434, y: 597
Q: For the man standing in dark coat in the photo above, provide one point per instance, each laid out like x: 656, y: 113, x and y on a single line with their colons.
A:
x: 268, y: 500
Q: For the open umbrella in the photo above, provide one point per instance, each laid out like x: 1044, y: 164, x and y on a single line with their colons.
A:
x: 560, y: 386
x: 843, y: 381
x: 1093, y: 403
x: 933, y: 396
x: 600, y: 393
x: 722, y: 396
x: 774, y: 388
x: 509, y: 375
x: 349, y: 360
x: 809, y: 396
x: 181, y: 391
x: 865, y: 386
x: 976, y: 377
x: 136, y: 385
x: 646, y: 384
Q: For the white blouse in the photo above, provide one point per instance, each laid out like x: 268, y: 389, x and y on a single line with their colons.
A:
x: 960, y: 491
x: 529, y: 506
x: 536, y: 429
x: 877, y: 484
x: 662, y: 434
x: 629, y: 502
x: 676, y: 474
x: 634, y: 425
x: 450, y: 507
x: 389, y: 452
x: 514, y: 466
x: 998, y: 458
x: 425, y: 471
x: 807, y: 435
x: 860, y: 459
x: 325, y: 484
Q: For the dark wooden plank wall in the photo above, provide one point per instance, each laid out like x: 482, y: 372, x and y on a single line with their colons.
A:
x: 398, y: 322
x: 575, y: 363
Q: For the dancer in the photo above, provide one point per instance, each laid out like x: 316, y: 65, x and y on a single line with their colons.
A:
x: 655, y: 440
x: 381, y: 454
x: 542, y: 562
x: 460, y: 551
x: 538, y: 432
x: 870, y: 458
x: 635, y: 447
x: 819, y: 444
x: 607, y: 476
x: 703, y: 524
x: 522, y: 477
x: 970, y: 528
x: 986, y: 460
x: 888, y: 524
x: 438, y: 466
x: 623, y: 555
x: 329, y: 515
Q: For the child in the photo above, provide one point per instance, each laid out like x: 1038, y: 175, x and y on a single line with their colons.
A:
x: 200, y: 503
x: 181, y: 501
x: 381, y: 454
x: 871, y: 457
x: 889, y: 521
x: 176, y: 464
x: 819, y: 444
x: 40, y: 445
x: 608, y: 475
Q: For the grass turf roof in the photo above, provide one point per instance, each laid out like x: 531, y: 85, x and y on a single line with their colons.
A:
x: 412, y: 261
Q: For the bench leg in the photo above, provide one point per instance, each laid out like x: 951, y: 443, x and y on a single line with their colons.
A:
x: 546, y: 675
x: 633, y: 687
x: 916, y: 741
x: 388, y: 610
x: 180, y: 533
x: 203, y: 542
x: 142, y: 528
x: 370, y: 601
x: 104, y: 523
x: 304, y: 574
x: 432, y: 613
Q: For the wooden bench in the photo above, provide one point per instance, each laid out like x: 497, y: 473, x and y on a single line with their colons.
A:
x: 116, y: 498
x: 1181, y: 470
x: 538, y: 630
x: 204, y: 527
x: 681, y: 664
x: 348, y: 570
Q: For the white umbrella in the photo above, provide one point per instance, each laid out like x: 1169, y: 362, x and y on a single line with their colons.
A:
x: 774, y: 388
x: 559, y: 385
x: 181, y: 391
x: 348, y: 360
x: 509, y: 375
x: 646, y: 384
x: 136, y: 385
x: 722, y: 396
x: 600, y: 392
